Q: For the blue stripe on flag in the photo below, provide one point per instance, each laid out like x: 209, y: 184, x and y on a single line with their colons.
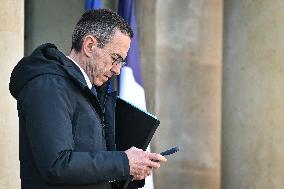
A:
x: 126, y: 11
x: 92, y: 4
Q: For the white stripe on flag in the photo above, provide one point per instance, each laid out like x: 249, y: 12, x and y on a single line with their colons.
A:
x: 132, y: 92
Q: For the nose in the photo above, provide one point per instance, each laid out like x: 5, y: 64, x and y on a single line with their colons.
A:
x: 116, y: 69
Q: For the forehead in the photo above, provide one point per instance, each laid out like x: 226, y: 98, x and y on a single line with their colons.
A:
x: 119, y: 44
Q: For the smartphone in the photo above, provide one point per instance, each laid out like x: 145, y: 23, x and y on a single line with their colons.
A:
x: 170, y: 151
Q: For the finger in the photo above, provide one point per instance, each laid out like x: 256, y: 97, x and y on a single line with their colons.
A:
x: 157, y: 157
x: 154, y: 164
x: 143, y: 172
x: 137, y: 149
x: 148, y: 163
x: 148, y: 171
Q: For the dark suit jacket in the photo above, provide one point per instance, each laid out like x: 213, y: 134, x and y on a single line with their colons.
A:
x: 62, y: 135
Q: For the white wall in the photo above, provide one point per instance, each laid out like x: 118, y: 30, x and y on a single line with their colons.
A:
x: 11, y: 51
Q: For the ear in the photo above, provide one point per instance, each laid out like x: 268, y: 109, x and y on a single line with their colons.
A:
x: 89, y: 44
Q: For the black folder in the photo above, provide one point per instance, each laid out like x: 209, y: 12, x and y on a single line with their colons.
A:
x: 133, y: 126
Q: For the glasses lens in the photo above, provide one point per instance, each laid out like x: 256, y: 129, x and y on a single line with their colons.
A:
x: 123, y: 63
x: 120, y: 61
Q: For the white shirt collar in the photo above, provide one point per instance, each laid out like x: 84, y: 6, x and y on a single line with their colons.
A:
x: 83, y: 72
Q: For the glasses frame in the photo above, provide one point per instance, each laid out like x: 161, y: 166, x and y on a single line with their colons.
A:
x: 121, y: 61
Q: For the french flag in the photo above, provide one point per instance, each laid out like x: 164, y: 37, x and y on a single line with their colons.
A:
x: 130, y: 79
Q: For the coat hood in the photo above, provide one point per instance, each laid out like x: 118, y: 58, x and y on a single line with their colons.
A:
x: 46, y: 59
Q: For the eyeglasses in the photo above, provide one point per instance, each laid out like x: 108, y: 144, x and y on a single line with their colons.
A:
x: 117, y: 59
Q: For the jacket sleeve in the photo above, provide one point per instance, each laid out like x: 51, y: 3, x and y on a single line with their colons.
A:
x: 47, y: 106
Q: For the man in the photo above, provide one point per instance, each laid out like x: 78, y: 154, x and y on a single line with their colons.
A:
x: 65, y: 137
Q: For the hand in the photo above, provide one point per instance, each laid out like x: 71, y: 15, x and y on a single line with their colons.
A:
x: 141, y: 163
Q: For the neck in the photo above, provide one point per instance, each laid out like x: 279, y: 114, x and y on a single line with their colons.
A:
x: 79, y: 59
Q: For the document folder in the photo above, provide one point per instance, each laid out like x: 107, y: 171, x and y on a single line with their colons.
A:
x: 133, y: 126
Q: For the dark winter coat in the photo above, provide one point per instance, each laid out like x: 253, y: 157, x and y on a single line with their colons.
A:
x: 63, y: 141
